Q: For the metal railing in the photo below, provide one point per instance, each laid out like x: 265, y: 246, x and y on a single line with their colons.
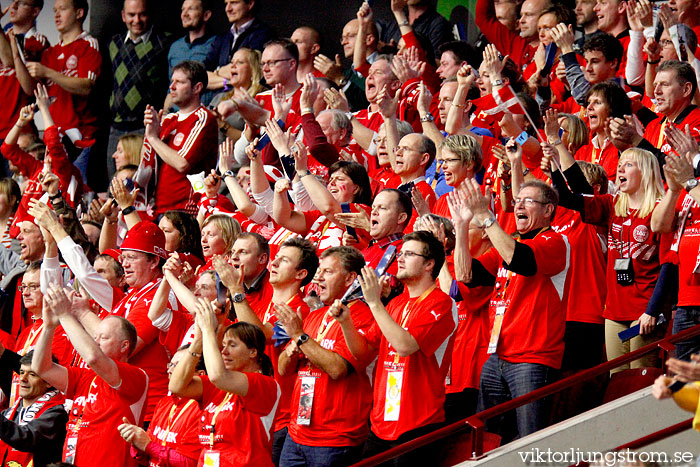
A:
x: 476, y: 421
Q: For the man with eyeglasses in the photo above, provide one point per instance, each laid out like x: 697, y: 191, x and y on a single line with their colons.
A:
x: 410, y: 161
x: 412, y: 337
x: 143, y: 254
x: 528, y: 305
x: 12, y: 267
x: 22, y: 15
x: 32, y: 299
x: 279, y: 63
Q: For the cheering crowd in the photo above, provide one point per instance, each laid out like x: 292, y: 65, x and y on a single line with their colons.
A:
x: 305, y: 260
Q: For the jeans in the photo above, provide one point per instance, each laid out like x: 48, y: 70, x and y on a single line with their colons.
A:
x: 278, y: 438
x: 502, y: 381
x: 295, y: 454
x: 425, y: 455
x: 686, y: 317
x: 81, y: 162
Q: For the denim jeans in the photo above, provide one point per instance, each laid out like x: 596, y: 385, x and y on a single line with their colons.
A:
x: 278, y: 438
x: 295, y: 454
x: 502, y: 381
x: 685, y: 318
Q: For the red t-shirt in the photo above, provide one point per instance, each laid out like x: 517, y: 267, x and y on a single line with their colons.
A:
x: 506, y: 41
x: 99, y: 442
x: 286, y: 382
x: 152, y: 357
x: 61, y: 348
x: 386, y: 176
x: 179, y: 333
x: 261, y: 297
x: 627, y: 236
x: 535, y: 314
x: 471, y: 339
x: 654, y: 134
x: 587, y: 271
x: 194, y: 137
x: 608, y: 157
x: 419, y: 379
x: 687, y: 241
x: 326, y: 234
x: 14, y: 97
x: 340, y: 408
x: 373, y: 254
x: 78, y: 59
x: 176, y: 424
x: 243, y: 435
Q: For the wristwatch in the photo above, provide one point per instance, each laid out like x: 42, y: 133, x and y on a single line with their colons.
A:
x: 302, y: 339
x: 488, y: 222
x: 128, y: 210
x: 229, y: 173
x: 427, y: 118
x: 303, y: 173
x: 238, y: 297
x: 690, y: 184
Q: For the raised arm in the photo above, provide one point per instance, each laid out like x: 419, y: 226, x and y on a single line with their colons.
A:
x: 282, y: 212
x: 53, y: 373
x: 183, y: 382
x: 461, y: 217
x: 83, y: 342
x: 231, y: 381
x: 357, y: 343
x: 170, y: 156
x: 319, y: 194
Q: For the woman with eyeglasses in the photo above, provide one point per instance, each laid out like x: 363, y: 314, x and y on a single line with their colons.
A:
x: 238, y: 396
x: 633, y: 262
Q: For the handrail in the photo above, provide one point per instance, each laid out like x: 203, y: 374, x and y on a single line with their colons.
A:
x: 652, y: 438
x: 476, y: 421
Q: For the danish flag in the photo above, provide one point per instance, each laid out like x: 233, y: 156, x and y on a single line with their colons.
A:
x: 499, y: 102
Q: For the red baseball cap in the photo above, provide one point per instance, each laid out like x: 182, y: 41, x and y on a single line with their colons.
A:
x: 147, y: 238
x: 114, y: 253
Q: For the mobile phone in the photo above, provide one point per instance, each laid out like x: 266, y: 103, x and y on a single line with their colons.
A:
x: 265, y: 138
x: 220, y: 291
x: 550, y: 56
x: 350, y: 230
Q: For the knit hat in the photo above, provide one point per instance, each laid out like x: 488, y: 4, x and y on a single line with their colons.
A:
x: 147, y: 238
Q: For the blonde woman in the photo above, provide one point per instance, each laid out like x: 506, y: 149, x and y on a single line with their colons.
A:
x: 633, y: 263
x: 128, y: 150
x: 246, y: 73
x: 219, y: 233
